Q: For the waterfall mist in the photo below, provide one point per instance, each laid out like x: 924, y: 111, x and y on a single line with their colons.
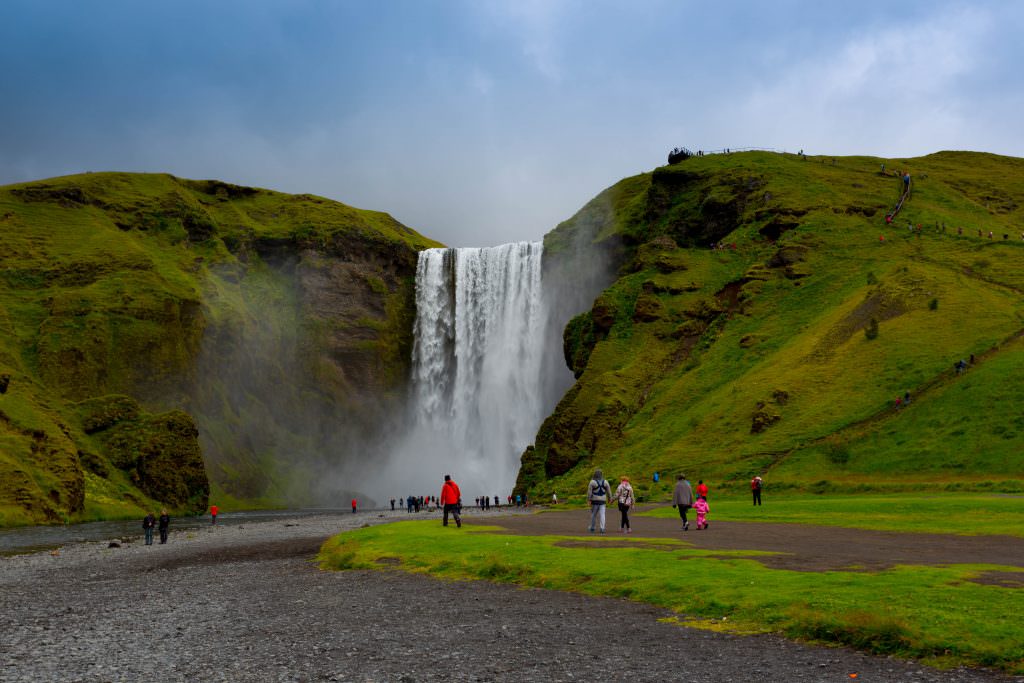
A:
x: 295, y: 406
x: 477, y: 391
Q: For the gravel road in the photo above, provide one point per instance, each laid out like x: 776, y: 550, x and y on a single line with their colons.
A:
x: 247, y: 604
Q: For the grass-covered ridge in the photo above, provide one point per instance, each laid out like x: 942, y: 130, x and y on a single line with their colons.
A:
x: 782, y: 353
x: 144, y: 285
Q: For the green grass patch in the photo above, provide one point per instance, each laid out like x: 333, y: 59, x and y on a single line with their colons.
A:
x: 936, y: 614
x: 939, y: 513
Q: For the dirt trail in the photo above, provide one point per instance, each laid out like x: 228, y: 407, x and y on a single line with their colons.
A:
x: 800, y: 547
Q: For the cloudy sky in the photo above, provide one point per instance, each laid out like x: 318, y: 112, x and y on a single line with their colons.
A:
x: 479, y: 122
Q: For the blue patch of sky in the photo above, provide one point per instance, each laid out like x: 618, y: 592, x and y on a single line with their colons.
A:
x: 479, y: 121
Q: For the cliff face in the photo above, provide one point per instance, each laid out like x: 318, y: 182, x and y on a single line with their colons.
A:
x: 145, y: 315
x: 780, y: 352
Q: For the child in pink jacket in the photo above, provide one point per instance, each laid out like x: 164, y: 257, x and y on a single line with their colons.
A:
x: 702, y: 509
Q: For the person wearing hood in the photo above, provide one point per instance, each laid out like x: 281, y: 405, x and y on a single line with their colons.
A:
x: 450, y: 499
x: 597, y: 496
x: 682, y: 498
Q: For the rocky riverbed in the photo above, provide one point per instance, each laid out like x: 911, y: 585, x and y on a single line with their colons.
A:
x: 245, y: 603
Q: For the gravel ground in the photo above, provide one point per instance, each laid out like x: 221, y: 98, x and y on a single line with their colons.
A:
x: 246, y: 604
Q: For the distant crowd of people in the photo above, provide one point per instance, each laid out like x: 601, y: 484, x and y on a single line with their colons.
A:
x: 599, y: 495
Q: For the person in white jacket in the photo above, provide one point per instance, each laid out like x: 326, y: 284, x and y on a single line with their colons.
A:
x: 624, y: 495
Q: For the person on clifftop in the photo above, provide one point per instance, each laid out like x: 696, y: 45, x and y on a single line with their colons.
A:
x: 451, y: 497
x: 165, y: 524
x: 682, y: 498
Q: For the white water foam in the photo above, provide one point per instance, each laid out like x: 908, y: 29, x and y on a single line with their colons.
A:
x: 478, y: 391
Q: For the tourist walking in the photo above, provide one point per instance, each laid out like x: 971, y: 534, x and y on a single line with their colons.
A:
x: 597, y: 496
x: 451, y: 497
x: 700, y: 506
x: 213, y: 514
x: 353, y: 506
x: 624, y: 495
x: 755, y: 489
x: 148, y: 522
x: 165, y: 524
x: 682, y: 498
x: 702, y: 489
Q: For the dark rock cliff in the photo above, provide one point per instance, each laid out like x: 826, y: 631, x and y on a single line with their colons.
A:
x: 160, y: 335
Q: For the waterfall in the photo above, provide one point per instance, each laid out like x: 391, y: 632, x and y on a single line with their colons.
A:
x: 477, y: 365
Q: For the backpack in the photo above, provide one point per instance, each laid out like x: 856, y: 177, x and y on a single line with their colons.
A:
x: 601, y: 489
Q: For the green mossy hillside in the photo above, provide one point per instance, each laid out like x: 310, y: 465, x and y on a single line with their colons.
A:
x: 143, y: 285
x: 781, y: 352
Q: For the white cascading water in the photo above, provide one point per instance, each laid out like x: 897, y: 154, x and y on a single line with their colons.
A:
x: 477, y: 363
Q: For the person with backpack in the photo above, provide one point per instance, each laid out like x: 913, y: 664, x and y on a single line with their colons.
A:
x: 451, y: 498
x: 624, y: 494
x: 755, y: 489
x: 682, y: 498
x: 597, y: 496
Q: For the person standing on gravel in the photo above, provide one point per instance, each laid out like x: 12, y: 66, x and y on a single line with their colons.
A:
x: 624, y: 495
x: 450, y: 499
x: 148, y: 522
x: 213, y: 514
x: 597, y: 496
x: 682, y: 498
x: 165, y: 524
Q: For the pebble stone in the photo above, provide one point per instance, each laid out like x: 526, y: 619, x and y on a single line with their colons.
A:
x: 248, y: 604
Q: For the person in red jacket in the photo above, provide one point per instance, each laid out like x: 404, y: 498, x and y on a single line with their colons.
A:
x: 451, y: 498
x: 213, y: 514
x: 353, y: 506
x: 702, y: 490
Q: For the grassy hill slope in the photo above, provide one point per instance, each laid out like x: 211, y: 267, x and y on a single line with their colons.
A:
x: 782, y: 353
x: 119, y: 293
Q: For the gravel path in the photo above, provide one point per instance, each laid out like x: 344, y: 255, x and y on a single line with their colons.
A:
x: 246, y: 604
x: 800, y: 547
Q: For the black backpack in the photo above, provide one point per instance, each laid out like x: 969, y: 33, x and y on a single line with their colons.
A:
x: 602, y: 488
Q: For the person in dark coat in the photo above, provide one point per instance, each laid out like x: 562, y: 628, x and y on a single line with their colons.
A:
x: 165, y: 523
x: 148, y: 522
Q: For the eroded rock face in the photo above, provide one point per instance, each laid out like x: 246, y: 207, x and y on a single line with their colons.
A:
x: 159, y: 453
x: 233, y: 305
